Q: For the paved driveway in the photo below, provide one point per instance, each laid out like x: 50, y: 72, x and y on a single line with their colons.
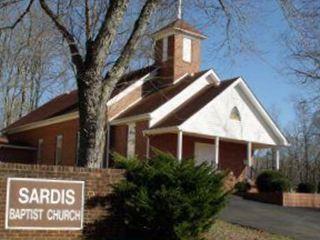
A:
x: 299, y: 223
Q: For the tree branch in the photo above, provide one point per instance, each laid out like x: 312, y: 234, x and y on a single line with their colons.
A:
x: 25, y: 12
x: 88, y: 23
x: 100, y: 48
x: 75, y: 54
x: 139, y: 28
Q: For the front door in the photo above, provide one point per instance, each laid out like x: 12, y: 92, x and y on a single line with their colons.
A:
x: 204, y: 152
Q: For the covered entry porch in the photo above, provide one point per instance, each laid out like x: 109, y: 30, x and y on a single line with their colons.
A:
x: 221, y: 152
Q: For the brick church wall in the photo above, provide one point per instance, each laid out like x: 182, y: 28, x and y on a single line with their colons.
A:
x: 49, y: 133
x: 232, y: 157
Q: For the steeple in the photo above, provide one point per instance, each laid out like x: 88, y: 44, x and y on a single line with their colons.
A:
x: 177, y: 49
x: 179, y: 16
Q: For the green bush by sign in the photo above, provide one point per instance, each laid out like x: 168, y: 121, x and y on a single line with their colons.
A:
x: 162, y: 198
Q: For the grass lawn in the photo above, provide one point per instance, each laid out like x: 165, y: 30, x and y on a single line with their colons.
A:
x: 226, y: 231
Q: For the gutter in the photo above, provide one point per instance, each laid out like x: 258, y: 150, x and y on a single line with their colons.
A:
x: 17, y: 147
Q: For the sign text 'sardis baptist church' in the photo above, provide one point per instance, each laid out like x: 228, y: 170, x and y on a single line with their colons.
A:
x: 44, y: 204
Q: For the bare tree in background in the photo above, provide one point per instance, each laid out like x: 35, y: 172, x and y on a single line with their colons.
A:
x: 302, y: 158
x: 31, y: 65
x: 103, y: 36
x: 303, y: 40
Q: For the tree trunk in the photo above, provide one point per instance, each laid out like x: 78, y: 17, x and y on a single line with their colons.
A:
x: 93, y: 119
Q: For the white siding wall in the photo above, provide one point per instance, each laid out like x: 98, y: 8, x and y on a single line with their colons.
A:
x: 214, y: 119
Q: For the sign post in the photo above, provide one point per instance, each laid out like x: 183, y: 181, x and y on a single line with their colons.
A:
x: 44, y: 204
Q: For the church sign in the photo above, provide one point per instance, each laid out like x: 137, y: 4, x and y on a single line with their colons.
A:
x: 44, y: 204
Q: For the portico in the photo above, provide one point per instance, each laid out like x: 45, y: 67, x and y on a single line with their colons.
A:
x: 223, y: 153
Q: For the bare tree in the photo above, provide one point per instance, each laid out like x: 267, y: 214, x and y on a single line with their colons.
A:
x: 303, y: 40
x: 301, y: 159
x: 26, y: 67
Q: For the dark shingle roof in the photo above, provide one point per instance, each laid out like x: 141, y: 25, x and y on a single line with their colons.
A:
x: 50, y: 109
x: 68, y: 102
x: 151, y: 102
x: 193, y: 105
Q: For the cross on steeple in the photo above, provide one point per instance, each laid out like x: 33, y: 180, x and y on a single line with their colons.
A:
x: 179, y: 16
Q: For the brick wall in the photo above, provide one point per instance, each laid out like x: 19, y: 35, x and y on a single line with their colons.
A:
x: 164, y: 142
x: 175, y: 66
x: 97, y: 186
x: 126, y: 101
x: 307, y: 200
x: 141, y: 140
x: 118, y: 139
x: 232, y: 156
x: 49, y: 133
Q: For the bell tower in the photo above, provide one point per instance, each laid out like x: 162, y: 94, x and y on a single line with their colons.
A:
x: 177, y: 50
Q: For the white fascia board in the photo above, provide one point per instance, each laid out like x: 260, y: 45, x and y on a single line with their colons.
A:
x: 43, y: 123
x: 130, y: 119
x: 222, y: 137
x: 263, y: 112
x: 161, y: 112
x: 180, y: 78
x: 214, y: 77
x: 17, y: 147
x: 130, y: 88
x: 155, y: 131
x: 169, y: 32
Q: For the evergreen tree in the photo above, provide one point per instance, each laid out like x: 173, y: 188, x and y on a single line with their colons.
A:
x: 162, y: 198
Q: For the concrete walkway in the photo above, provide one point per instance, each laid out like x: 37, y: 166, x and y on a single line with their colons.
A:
x: 298, y: 223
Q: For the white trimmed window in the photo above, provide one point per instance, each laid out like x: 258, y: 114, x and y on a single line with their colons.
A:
x: 165, y: 49
x: 235, y: 114
x: 39, y: 152
x: 131, y: 146
x: 187, y: 49
x: 58, y: 155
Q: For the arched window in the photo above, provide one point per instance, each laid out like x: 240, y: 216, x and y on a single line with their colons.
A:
x: 235, y: 114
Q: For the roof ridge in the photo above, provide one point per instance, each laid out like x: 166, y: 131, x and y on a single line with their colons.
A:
x: 181, y: 24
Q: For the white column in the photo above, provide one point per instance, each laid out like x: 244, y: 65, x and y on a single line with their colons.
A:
x: 277, y: 160
x: 249, y: 154
x: 148, y: 147
x: 217, y: 151
x: 179, y: 145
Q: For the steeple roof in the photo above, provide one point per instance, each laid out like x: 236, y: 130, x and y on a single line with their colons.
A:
x: 180, y: 25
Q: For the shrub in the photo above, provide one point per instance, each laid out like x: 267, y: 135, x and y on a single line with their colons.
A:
x: 272, y: 181
x: 281, y: 185
x: 319, y: 187
x: 306, y: 188
x: 161, y: 198
x: 242, y: 187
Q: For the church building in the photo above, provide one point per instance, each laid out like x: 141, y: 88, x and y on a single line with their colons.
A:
x: 172, y: 105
